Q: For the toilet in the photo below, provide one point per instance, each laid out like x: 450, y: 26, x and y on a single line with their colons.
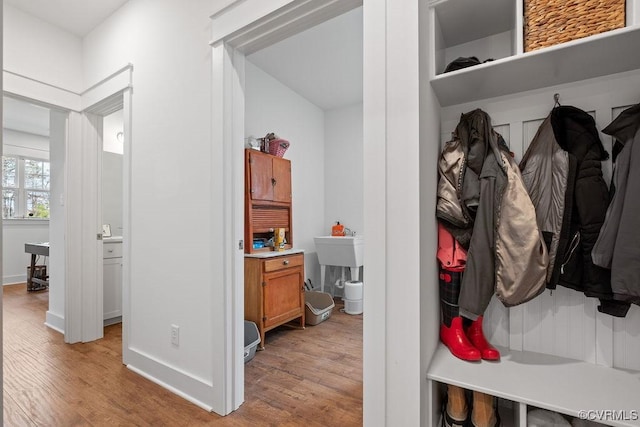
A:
x: 353, y: 293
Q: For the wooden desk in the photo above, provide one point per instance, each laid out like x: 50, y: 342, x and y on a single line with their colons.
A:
x: 35, y: 283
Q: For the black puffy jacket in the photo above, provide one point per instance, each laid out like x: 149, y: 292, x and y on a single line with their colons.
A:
x: 587, y: 199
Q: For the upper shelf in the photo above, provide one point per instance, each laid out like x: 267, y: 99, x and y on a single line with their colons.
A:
x: 595, y: 56
x: 472, y: 16
x: 541, y: 380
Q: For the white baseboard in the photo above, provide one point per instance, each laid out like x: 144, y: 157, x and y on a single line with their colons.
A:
x: 14, y: 280
x: 55, y: 322
x: 112, y: 320
x: 189, y: 387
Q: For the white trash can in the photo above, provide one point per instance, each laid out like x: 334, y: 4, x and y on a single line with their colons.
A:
x: 353, y: 297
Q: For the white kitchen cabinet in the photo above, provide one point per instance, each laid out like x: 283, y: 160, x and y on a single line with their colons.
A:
x: 558, y: 337
x: 112, y: 281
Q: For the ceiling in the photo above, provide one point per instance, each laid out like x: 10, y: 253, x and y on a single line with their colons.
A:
x: 76, y: 16
x: 322, y: 64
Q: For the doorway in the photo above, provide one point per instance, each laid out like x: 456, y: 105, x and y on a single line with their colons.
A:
x: 111, y: 160
x: 33, y: 184
x: 308, y: 90
x: 391, y: 102
x: 79, y: 251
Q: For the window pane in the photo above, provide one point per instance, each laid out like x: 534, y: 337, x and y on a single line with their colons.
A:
x: 38, y: 204
x: 9, y: 171
x: 8, y: 203
x: 36, y: 174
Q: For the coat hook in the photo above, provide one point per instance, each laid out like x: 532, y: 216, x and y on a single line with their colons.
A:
x: 556, y: 99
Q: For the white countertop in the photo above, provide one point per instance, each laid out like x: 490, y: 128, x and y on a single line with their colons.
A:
x: 112, y: 239
x: 271, y: 254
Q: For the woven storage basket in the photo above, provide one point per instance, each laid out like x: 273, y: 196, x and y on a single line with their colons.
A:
x: 277, y: 147
x: 550, y: 22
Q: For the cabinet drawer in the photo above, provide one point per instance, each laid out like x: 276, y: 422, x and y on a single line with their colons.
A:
x: 112, y: 250
x: 280, y: 263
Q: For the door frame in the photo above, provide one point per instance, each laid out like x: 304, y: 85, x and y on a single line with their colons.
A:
x: 240, y: 29
x: 84, y: 291
x: 393, y: 364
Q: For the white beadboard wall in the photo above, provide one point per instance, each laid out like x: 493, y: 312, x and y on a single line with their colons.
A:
x: 563, y: 322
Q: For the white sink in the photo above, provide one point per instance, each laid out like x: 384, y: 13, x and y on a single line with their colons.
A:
x: 343, y: 251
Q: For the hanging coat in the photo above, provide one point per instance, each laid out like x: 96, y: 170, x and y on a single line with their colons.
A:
x: 483, y: 203
x: 563, y: 174
x: 618, y: 244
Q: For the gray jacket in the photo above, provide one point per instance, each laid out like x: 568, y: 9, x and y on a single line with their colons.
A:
x: 618, y: 244
x: 545, y: 171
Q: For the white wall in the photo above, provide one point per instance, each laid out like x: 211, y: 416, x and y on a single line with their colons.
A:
x: 175, y: 263
x: 14, y: 259
x: 344, y: 187
x: 343, y: 168
x: 272, y: 107
x: 25, y: 144
x: 41, y: 51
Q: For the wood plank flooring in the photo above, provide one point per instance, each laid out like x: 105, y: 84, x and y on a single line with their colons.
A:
x: 310, y: 377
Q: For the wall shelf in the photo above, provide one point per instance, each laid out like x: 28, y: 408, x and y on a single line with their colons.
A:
x: 542, y: 381
x: 595, y: 56
x: 472, y: 15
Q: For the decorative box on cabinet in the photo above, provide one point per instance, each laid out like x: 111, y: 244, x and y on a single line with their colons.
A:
x: 267, y: 198
x: 112, y: 281
x: 273, y: 289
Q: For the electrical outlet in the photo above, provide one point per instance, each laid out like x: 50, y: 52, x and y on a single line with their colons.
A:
x: 175, y: 335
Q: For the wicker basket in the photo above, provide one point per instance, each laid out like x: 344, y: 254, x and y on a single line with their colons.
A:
x: 277, y: 147
x: 550, y: 22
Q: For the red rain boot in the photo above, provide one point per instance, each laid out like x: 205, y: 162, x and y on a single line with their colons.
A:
x: 476, y: 336
x: 456, y: 340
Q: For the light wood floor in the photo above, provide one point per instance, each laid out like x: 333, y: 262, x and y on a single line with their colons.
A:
x: 310, y: 377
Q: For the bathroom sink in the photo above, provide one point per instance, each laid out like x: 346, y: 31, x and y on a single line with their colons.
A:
x: 344, y: 251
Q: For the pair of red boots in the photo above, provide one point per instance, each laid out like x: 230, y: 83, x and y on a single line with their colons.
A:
x: 467, y: 343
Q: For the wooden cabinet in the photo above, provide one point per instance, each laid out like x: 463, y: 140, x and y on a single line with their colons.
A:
x: 267, y: 198
x: 112, y: 282
x: 273, y: 291
x: 269, y: 177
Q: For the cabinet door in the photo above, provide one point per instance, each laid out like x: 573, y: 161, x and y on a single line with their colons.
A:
x: 282, y: 296
x: 281, y: 180
x: 112, y: 287
x: 260, y: 169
